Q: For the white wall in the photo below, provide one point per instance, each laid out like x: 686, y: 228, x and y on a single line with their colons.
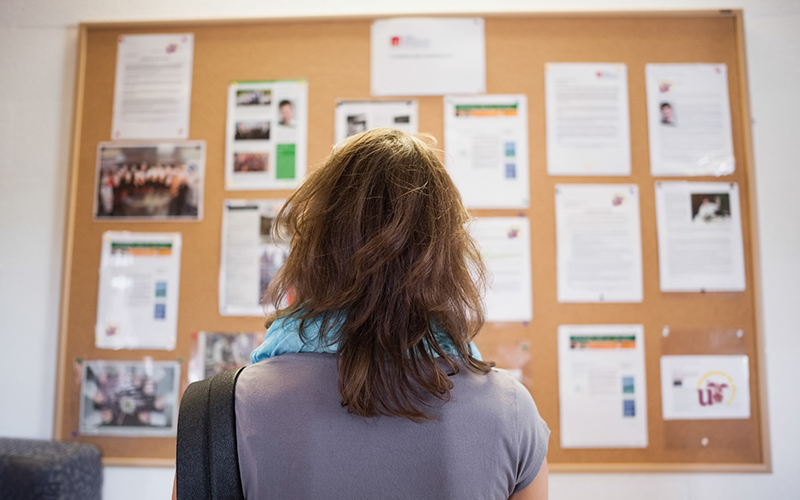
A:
x: 37, y: 59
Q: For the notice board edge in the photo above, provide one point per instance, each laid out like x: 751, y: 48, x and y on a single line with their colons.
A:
x: 755, y: 249
x: 748, y: 163
x: 187, y: 23
x: 646, y: 468
x: 69, y: 233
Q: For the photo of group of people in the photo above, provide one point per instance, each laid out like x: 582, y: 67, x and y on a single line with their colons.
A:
x: 250, y: 162
x: 129, y: 398
x: 219, y: 352
x: 150, y: 181
x: 257, y: 97
x: 252, y: 130
x: 710, y: 207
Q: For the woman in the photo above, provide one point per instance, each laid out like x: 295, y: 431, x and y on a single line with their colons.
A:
x: 367, y: 384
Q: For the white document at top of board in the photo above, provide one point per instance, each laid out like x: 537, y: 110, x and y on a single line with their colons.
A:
x: 137, y: 299
x: 588, y: 122
x: 427, y: 56
x: 699, y: 236
x: 689, y: 119
x: 353, y: 117
x: 598, y: 242
x: 486, y: 149
x: 153, y: 86
x: 705, y: 387
x: 505, y: 246
x: 266, y: 135
x: 601, y: 386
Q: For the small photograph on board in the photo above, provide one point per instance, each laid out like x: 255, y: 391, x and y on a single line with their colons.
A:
x: 254, y: 97
x: 129, y: 398
x: 356, y: 124
x: 219, y: 352
x: 250, y: 162
x: 710, y: 208
x: 252, y: 130
x: 667, y: 114
x: 272, y: 253
x: 150, y: 181
x: 286, y: 113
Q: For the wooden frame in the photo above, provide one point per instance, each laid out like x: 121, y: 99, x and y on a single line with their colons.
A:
x: 74, y: 260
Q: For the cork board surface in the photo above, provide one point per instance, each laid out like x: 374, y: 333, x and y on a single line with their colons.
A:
x: 333, y: 56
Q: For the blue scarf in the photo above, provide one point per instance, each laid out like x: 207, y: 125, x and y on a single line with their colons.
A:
x: 283, y: 336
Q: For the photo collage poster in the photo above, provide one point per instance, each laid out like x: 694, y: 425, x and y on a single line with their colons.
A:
x: 266, y: 135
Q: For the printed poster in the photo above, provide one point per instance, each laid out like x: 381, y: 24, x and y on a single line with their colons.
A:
x: 267, y: 134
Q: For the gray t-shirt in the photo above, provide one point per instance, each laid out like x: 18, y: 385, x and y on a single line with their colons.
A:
x: 297, y: 441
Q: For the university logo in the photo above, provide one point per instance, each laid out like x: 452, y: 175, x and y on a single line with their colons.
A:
x: 607, y: 74
x: 716, y: 388
x: 409, y: 42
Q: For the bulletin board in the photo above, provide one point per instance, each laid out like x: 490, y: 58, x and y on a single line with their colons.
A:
x: 333, y: 55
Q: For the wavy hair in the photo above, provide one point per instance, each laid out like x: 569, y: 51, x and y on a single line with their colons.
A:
x: 380, y: 251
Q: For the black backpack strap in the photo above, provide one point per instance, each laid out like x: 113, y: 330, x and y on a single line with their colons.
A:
x: 226, y: 481
x: 207, y: 464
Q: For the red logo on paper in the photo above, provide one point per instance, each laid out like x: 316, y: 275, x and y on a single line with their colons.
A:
x: 395, y: 41
x: 712, y: 394
x: 172, y: 48
x: 714, y: 387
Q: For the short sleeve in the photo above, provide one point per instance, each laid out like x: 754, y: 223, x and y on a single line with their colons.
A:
x: 532, y: 437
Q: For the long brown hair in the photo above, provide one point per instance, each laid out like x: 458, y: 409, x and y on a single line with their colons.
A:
x: 380, y: 251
